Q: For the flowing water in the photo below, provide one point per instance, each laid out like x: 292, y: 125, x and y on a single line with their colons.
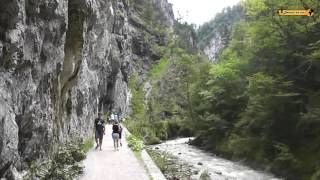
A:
x: 218, y: 168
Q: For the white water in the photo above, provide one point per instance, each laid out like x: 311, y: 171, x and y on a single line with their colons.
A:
x: 219, y: 169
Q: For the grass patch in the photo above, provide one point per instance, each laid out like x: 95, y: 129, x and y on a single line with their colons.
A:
x: 87, y: 145
x: 159, y: 69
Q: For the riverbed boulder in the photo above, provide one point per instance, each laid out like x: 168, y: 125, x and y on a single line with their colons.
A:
x: 195, y: 172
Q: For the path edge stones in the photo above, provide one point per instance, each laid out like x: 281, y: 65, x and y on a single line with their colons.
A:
x: 152, y: 169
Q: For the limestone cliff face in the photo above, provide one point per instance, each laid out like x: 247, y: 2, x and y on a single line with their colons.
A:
x: 214, y: 36
x: 62, y: 61
x: 216, y: 45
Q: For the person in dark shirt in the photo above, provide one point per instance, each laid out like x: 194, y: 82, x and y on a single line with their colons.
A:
x: 115, y: 135
x: 120, y: 133
x: 99, y: 125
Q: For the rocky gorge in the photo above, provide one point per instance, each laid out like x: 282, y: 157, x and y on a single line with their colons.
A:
x: 62, y: 61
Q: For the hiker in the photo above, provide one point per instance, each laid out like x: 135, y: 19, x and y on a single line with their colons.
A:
x: 119, y: 115
x: 99, y: 130
x: 116, y: 117
x: 116, y: 135
x: 120, y: 133
x: 112, y: 117
x: 108, y: 119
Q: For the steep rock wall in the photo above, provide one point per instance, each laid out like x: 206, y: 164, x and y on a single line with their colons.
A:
x: 62, y: 61
x: 214, y: 36
x: 216, y: 45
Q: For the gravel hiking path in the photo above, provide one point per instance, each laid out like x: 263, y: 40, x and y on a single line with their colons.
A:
x: 113, y: 165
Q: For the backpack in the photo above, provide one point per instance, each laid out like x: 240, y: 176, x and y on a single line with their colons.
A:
x: 115, y: 128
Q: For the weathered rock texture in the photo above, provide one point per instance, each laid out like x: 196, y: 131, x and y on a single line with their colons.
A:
x: 62, y: 61
x: 215, y: 35
x: 217, y: 44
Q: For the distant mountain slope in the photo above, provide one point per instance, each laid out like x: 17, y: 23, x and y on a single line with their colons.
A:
x: 215, y: 35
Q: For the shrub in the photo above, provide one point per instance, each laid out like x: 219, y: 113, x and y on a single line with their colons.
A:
x: 159, y: 69
x: 64, y: 165
x: 160, y: 129
x: 135, y: 143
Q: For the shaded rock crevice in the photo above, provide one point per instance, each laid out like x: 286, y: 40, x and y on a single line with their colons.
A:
x: 73, y: 58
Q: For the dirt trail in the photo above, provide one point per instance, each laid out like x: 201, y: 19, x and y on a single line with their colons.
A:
x: 113, y: 165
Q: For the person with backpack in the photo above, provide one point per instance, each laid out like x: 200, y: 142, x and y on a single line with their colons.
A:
x: 116, y: 135
x: 99, y: 125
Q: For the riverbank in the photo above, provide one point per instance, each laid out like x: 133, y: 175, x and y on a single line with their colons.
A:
x: 199, y: 161
x: 171, y: 166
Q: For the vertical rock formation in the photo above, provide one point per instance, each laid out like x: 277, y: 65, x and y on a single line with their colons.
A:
x: 62, y: 61
x: 214, y: 36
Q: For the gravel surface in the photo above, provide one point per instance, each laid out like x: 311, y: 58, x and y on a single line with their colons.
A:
x: 113, y: 165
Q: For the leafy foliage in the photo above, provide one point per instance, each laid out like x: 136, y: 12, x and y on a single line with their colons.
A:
x: 135, y: 143
x: 64, y: 165
x: 259, y: 102
x: 158, y: 116
x: 159, y: 69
